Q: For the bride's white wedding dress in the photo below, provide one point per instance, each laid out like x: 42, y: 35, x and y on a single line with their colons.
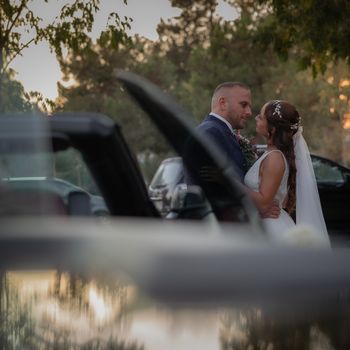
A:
x: 277, y: 229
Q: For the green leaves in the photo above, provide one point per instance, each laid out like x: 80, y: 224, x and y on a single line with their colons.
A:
x: 318, y: 30
x: 195, y: 52
x: 70, y: 29
x: 13, y: 96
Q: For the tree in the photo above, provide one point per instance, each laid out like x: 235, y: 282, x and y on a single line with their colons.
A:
x: 14, y: 98
x: 96, y: 89
x: 317, y: 30
x: 231, y: 53
x: 178, y: 36
x: 20, y: 27
x: 219, y: 51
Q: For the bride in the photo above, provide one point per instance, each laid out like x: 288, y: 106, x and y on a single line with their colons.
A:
x: 284, y: 174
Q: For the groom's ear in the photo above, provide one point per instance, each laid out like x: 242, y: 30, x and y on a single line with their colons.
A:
x: 222, y: 102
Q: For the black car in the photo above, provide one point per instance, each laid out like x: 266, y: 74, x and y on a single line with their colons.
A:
x: 333, y: 181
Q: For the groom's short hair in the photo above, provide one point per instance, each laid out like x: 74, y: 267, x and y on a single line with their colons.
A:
x: 227, y: 85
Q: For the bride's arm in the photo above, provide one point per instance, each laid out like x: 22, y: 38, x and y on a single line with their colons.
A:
x: 271, y: 173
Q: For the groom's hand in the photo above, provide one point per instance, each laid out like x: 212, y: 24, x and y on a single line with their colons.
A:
x: 273, y: 212
x: 211, y: 174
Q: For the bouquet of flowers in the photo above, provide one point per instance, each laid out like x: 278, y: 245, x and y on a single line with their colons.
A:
x: 247, y: 150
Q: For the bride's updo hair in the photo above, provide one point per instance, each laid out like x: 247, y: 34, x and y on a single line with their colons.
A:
x: 283, y: 121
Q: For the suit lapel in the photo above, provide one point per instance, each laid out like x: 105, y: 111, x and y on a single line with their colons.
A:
x: 223, y: 126
x: 233, y: 149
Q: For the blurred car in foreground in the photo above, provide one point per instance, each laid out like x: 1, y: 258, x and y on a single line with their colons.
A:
x: 135, y: 281
x: 140, y: 284
x: 333, y: 181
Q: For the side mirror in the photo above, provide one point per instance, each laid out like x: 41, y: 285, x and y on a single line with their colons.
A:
x: 189, y: 202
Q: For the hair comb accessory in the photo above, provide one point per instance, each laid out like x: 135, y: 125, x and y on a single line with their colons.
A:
x: 296, y: 125
x: 277, y: 110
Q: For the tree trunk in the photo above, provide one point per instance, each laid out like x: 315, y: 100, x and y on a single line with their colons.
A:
x: 1, y: 78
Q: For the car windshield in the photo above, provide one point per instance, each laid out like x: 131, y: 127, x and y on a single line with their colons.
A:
x: 327, y: 172
x: 76, y: 313
x: 168, y: 173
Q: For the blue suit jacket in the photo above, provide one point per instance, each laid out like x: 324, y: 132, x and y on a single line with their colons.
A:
x: 222, y: 136
x: 196, y: 161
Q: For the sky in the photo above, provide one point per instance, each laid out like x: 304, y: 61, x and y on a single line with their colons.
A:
x: 37, y: 68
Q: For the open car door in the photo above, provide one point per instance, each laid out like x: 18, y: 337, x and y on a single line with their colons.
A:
x: 230, y: 202
x: 102, y: 147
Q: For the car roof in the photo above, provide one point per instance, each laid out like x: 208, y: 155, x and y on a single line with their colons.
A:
x: 51, y: 183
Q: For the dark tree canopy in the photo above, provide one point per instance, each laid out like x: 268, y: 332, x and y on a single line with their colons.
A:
x: 319, y: 31
x: 196, y: 51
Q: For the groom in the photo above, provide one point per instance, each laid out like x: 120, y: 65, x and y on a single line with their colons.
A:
x: 230, y: 111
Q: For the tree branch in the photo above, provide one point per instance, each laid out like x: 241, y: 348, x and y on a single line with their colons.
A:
x: 18, y: 52
x: 20, y: 9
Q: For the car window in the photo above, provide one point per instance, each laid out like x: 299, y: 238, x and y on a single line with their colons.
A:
x: 70, y: 167
x: 327, y: 172
x: 46, y: 183
x: 167, y: 174
x: 65, y: 165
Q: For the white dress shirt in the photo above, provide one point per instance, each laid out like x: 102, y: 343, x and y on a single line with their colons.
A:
x: 223, y: 120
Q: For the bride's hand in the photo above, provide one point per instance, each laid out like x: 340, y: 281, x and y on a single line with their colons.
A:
x: 273, y: 212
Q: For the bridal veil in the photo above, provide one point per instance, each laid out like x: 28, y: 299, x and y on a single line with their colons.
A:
x: 308, y: 206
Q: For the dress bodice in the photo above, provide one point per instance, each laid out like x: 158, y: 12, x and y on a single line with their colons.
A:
x: 252, y: 178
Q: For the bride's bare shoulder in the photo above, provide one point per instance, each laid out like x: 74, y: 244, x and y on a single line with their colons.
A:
x: 274, y: 159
